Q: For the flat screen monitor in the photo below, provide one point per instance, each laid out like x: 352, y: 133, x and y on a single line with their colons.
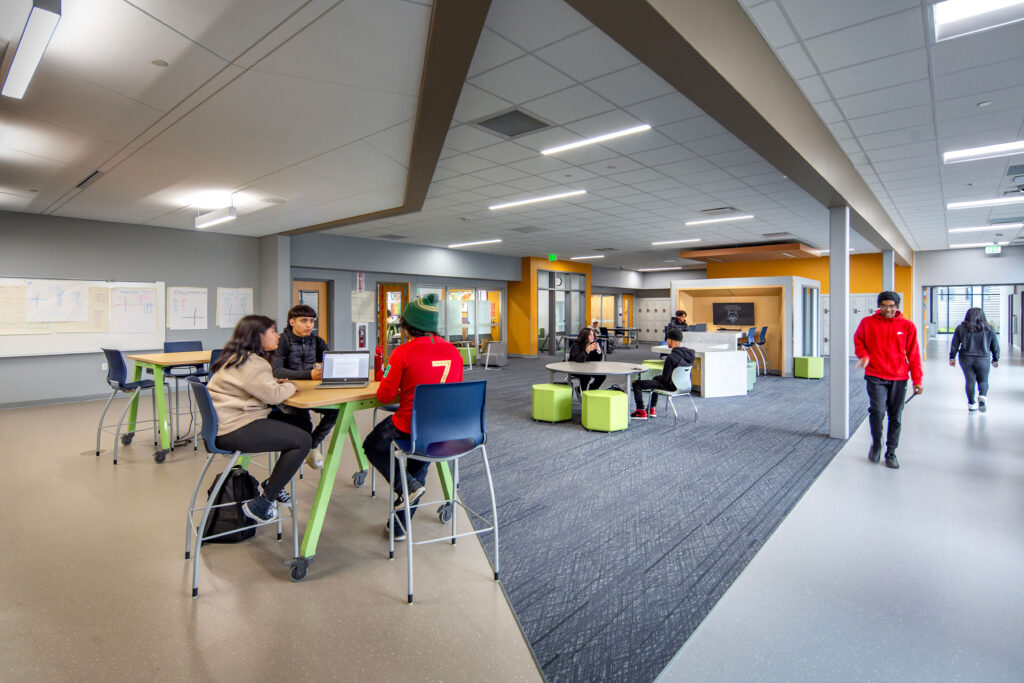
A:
x: 733, y: 313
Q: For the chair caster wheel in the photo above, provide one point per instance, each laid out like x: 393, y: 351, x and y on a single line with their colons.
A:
x: 444, y: 513
x: 359, y: 478
x: 300, y: 566
x: 160, y: 456
x: 126, y: 439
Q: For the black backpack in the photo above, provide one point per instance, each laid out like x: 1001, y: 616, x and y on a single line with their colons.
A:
x: 239, y: 487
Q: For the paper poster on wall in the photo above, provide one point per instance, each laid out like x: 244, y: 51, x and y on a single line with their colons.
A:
x: 186, y: 308
x: 233, y: 304
x: 51, y: 301
x: 133, y: 310
x: 12, y: 313
x: 99, y: 314
x: 311, y: 298
x: 363, y: 307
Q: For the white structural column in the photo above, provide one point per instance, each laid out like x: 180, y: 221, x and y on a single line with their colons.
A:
x: 889, y: 271
x: 839, y: 332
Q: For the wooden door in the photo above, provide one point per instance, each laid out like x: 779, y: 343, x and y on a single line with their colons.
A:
x: 627, y: 310
x: 313, y: 294
x: 392, y: 298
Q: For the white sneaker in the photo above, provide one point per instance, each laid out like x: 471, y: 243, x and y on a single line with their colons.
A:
x: 315, y: 459
x: 972, y: 407
x: 982, y: 403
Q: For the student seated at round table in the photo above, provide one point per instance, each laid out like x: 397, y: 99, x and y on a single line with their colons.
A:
x: 584, y: 349
x: 680, y: 356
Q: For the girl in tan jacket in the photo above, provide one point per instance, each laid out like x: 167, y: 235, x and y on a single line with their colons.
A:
x: 242, y: 389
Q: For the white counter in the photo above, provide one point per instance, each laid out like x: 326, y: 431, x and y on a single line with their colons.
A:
x: 720, y: 371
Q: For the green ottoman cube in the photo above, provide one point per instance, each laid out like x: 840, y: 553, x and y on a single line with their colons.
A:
x: 605, y: 410
x: 552, y: 402
x: 751, y: 374
x: 810, y: 367
x: 468, y: 354
x: 654, y: 367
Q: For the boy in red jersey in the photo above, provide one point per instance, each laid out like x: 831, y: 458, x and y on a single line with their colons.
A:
x: 886, y: 344
x: 424, y: 359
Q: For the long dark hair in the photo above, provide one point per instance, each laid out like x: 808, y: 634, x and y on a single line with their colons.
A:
x: 584, y: 337
x: 245, y: 340
x: 975, y: 320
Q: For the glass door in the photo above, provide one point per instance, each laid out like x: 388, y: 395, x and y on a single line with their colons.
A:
x: 392, y: 298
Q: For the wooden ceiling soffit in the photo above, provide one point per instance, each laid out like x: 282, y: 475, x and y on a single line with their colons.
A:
x: 455, y: 28
x: 643, y: 31
x: 759, y: 252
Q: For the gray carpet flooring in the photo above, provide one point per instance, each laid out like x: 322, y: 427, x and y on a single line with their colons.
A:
x: 614, y: 547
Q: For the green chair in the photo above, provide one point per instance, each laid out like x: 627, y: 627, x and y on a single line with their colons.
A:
x: 552, y: 402
x: 468, y: 354
x: 605, y: 410
x: 809, y: 367
x: 751, y: 374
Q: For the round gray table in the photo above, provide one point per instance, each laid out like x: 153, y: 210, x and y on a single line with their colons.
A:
x: 601, y: 367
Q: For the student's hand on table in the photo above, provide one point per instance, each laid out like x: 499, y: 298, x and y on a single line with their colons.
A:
x: 316, y: 373
x: 918, y: 389
x: 863, y: 362
x: 952, y: 363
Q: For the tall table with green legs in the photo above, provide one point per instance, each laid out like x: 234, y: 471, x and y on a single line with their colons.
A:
x: 348, y: 402
x: 157, y: 362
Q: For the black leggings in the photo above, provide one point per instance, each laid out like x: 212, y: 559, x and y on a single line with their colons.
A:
x: 975, y: 372
x: 589, y: 382
x: 278, y: 432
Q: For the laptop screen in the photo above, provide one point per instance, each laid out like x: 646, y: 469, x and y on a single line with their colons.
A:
x: 346, y: 365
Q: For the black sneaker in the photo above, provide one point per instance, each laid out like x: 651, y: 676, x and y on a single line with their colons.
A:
x: 416, y: 491
x: 890, y: 460
x: 399, y: 531
x: 875, y: 454
x: 282, y: 496
x: 260, y: 509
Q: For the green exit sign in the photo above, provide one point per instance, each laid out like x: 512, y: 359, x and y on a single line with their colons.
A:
x: 993, y: 249
x: 552, y: 257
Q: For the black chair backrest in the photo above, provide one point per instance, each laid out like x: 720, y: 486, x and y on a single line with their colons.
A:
x: 179, y: 346
x: 117, y: 371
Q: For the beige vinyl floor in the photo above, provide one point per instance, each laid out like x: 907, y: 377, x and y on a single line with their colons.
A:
x: 96, y: 587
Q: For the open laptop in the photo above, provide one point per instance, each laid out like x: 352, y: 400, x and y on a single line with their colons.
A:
x: 345, y: 369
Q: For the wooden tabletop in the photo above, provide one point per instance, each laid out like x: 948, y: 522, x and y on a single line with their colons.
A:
x: 172, y: 359
x: 308, y: 396
x: 602, y: 367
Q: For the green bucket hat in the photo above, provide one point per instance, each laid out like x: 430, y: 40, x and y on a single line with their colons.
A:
x: 421, y: 313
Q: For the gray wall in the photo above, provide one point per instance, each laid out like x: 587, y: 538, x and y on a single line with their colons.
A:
x: 50, y: 246
x: 662, y: 280
x: 613, y: 277
x: 968, y: 267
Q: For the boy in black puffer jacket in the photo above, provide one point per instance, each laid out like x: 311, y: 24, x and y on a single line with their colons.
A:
x: 680, y: 356
x: 298, y: 350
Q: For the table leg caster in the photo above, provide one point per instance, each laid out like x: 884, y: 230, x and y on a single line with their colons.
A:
x: 161, y: 455
x: 359, y: 478
x: 299, y: 567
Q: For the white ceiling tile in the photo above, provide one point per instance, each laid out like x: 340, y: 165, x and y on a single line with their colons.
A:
x: 814, y: 89
x: 697, y: 128
x: 521, y: 80
x: 883, y: 37
x: 630, y: 85
x: 796, y: 61
x: 475, y: 104
x: 532, y: 24
x: 893, y: 120
x: 887, y: 99
x: 878, y: 74
x: 568, y: 105
x: 772, y: 24
x: 811, y: 19
x: 736, y: 158
x: 665, y: 109
x: 902, y: 151
x: 686, y: 167
x: 663, y: 155
x: 726, y: 142
x: 467, y: 138
x: 612, y: 166
x: 587, y: 55
x: 500, y: 174
x: 980, y: 79
x: 897, y: 137
x: 979, y: 49
x: 357, y: 167
x: 464, y: 163
x: 641, y: 175
x: 828, y: 112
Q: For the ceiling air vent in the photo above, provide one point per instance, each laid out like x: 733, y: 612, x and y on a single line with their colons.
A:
x: 511, y: 123
x: 526, y: 229
x: 721, y: 211
x: 392, y: 237
x: 606, y: 249
x: 89, y: 180
x: 776, y: 234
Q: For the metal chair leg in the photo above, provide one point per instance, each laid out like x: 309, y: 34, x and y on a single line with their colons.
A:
x: 192, y: 505
x: 99, y: 428
x: 494, y: 511
x: 206, y: 515
x: 117, y: 435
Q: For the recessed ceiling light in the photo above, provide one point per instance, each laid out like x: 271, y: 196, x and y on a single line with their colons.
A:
x: 158, y: 62
x: 658, y: 244
x: 217, y: 216
x: 984, y: 103
x: 1004, y: 149
x: 955, y: 18
x: 976, y: 244
x: 547, y: 198
x: 472, y: 244
x: 652, y: 270
x: 952, y: 206
x: 982, y: 228
x: 583, y: 258
x: 721, y: 220
x: 825, y: 251
x: 595, y: 140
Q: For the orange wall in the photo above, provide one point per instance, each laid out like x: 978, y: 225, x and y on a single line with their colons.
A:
x: 522, y: 302
x: 865, y: 274
x: 769, y: 311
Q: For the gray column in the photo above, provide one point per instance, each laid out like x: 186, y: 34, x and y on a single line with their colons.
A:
x: 889, y: 271
x: 839, y: 332
x: 275, y: 292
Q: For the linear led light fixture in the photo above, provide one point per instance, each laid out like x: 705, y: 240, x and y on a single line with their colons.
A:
x: 547, y: 198
x: 977, y: 244
x: 472, y: 244
x: 1004, y: 149
x: 594, y: 141
x: 223, y: 215
x: 583, y: 258
x: 721, y: 220
x: 956, y: 18
x: 653, y: 270
x: 983, y: 228
x: 825, y: 251
x: 658, y: 244
x: 42, y: 22
x: 1000, y: 201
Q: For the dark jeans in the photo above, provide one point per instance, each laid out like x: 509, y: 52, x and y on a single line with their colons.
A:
x: 278, y: 432
x: 975, y: 372
x: 328, y: 416
x: 885, y: 396
x: 377, y: 447
x: 588, y: 382
x: 642, y: 385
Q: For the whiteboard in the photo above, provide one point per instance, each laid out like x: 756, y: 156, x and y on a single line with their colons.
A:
x: 233, y: 304
x: 186, y: 308
x: 41, y: 317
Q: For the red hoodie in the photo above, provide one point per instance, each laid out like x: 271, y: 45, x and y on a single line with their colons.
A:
x: 891, y: 346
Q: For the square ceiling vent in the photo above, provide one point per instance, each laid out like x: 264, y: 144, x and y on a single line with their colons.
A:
x: 511, y: 123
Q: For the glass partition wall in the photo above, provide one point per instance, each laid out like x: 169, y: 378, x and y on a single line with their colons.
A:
x: 467, y: 317
x: 561, y: 308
